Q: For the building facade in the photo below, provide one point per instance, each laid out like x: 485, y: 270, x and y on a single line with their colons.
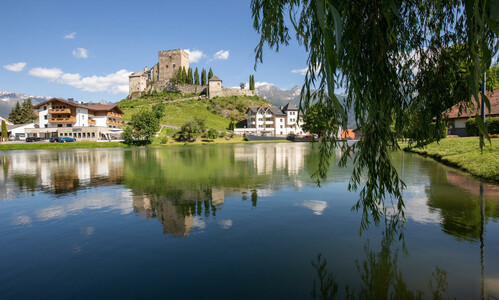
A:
x: 158, y: 77
x: 275, y: 121
x: 83, y: 121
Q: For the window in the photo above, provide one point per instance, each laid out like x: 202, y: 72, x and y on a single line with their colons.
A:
x: 59, y: 125
x: 45, y: 117
x: 93, y: 134
x: 61, y: 134
x: 44, y: 108
x: 281, y: 126
x: 79, y: 134
x: 66, y: 134
x: 174, y: 66
x: 46, y: 125
x: 68, y: 125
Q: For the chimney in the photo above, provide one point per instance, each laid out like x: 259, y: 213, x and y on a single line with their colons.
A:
x: 71, y: 99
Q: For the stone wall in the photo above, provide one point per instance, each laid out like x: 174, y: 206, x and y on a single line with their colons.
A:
x: 227, y: 92
x: 191, y: 88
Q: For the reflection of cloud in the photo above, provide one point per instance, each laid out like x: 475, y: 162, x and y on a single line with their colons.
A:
x: 105, y: 200
x: 22, y: 220
x: 199, y: 223
x: 88, y: 231
x: 225, y: 224
x: 416, y: 207
x: 51, y: 212
x: 316, y: 206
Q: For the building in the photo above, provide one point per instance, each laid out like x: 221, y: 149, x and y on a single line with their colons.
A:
x: 18, y: 132
x: 83, y: 121
x: 274, y: 121
x: 160, y: 75
x: 457, y: 117
x: 214, y: 86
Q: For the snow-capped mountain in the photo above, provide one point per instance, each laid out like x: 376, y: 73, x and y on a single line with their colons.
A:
x: 8, y: 100
x: 280, y: 97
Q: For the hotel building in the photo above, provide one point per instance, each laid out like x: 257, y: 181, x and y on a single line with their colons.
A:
x: 275, y: 121
x: 82, y: 121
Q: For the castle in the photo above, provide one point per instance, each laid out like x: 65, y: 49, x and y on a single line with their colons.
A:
x: 159, y: 78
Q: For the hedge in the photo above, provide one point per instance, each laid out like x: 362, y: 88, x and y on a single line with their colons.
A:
x: 491, y: 122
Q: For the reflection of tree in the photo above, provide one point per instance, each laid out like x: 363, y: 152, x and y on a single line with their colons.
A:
x: 26, y: 182
x: 380, y: 277
x: 452, y: 195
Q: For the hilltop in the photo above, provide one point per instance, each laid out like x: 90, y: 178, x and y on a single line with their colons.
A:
x: 218, y: 112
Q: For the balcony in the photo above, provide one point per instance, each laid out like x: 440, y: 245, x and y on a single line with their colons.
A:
x: 59, y: 111
x: 114, y: 115
x: 63, y: 120
x: 115, y: 123
x: 91, y: 122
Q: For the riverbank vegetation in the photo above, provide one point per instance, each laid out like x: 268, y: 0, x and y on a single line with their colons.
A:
x: 465, y: 154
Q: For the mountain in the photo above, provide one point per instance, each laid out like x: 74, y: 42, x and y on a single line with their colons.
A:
x: 8, y: 100
x: 280, y: 97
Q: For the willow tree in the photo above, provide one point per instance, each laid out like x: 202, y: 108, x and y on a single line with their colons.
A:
x: 382, y: 52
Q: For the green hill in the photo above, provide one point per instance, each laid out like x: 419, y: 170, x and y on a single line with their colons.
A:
x: 217, y: 112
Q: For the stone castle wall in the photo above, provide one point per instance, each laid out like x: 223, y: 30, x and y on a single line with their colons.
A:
x: 169, y: 61
x: 227, y: 92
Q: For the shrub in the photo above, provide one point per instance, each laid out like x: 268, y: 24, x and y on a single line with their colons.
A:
x: 212, y: 133
x: 491, y: 122
x: 127, y: 136
x: 164, y: 140
x: 471, y: 127
x: 222, y: 134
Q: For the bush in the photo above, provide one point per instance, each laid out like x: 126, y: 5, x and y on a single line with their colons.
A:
x: 164, y: 140
x: 127, y: 136
x: 491, y: 122
x: 471, y: 127
x: 212, y: 133
x: 222, y: 134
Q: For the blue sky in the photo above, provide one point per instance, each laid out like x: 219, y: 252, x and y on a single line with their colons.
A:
x: 85, y: 49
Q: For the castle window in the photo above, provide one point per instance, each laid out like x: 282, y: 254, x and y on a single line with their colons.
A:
x: 174, y: 66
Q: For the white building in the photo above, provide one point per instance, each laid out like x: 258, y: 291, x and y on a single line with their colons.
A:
x: 86, y: 122
x: 275, y: 121
x: 18, y: 132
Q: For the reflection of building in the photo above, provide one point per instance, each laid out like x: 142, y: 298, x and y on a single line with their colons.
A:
x: 268, y: 158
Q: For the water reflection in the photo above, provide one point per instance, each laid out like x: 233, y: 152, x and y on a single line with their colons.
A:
x: 380, y: 276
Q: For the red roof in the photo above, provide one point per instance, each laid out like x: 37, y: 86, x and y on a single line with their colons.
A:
x: 453, y: 112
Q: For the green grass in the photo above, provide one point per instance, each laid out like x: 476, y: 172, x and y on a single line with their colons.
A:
x: 38, y: 146
x: 465, y: 154
x: 217, y: 112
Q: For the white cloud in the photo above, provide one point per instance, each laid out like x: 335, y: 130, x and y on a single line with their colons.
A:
x: 300, y: 71
x: 257, y: 84
x: 195, y: 55
x: 70, y: 36
x: 15, y: 67
x: 50, y: 74
x: 316, y: 206
x: 222, y: 54
x: 116, y: 83
x: 80, y: 53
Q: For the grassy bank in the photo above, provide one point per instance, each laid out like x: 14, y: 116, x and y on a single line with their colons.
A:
x: 465, y: 154
x: 40, y: 146
x: 155, y: 142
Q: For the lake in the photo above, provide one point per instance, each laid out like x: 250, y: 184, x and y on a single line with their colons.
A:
x: 235, y: 222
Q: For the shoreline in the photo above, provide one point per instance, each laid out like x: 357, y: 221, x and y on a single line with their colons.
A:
x: 101, y: 145
x: 464, y: 154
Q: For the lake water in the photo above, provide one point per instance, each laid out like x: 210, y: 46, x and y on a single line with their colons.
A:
x: 234, y: 222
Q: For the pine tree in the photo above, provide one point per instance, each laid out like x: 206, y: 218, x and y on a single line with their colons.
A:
x: 196, y: 77
x: 210, y: 74
x: 15, y: 114
x: 189, y: 76
x: 203, y: 77
x: 252, y: 83
x: 184, y: 75
x: 27, y: 113
x: 4, y: 131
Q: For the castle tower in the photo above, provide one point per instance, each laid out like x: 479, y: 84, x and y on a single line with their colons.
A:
x: 168, y: 62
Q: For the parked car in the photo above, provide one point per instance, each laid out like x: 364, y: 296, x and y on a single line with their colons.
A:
x: 66, y: 140
x: 55, y: 139
x: 30, y: 139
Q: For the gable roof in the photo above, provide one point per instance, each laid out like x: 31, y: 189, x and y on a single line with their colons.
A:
x: 93, y: 106
x: 289, y: 106
x: 214, y: 78
x: 453, y: 112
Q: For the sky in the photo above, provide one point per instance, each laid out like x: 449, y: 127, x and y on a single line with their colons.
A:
x: 86, y: 49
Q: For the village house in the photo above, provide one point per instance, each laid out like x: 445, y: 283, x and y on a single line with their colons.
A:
x: 83, y: 121
x: 457, y: 119
x: 274, y: 121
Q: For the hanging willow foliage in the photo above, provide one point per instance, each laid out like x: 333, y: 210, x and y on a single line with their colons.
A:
x: 402, y: 64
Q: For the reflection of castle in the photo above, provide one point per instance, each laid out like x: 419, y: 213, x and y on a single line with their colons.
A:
x: 267, y: 158
x: 177, y: 212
